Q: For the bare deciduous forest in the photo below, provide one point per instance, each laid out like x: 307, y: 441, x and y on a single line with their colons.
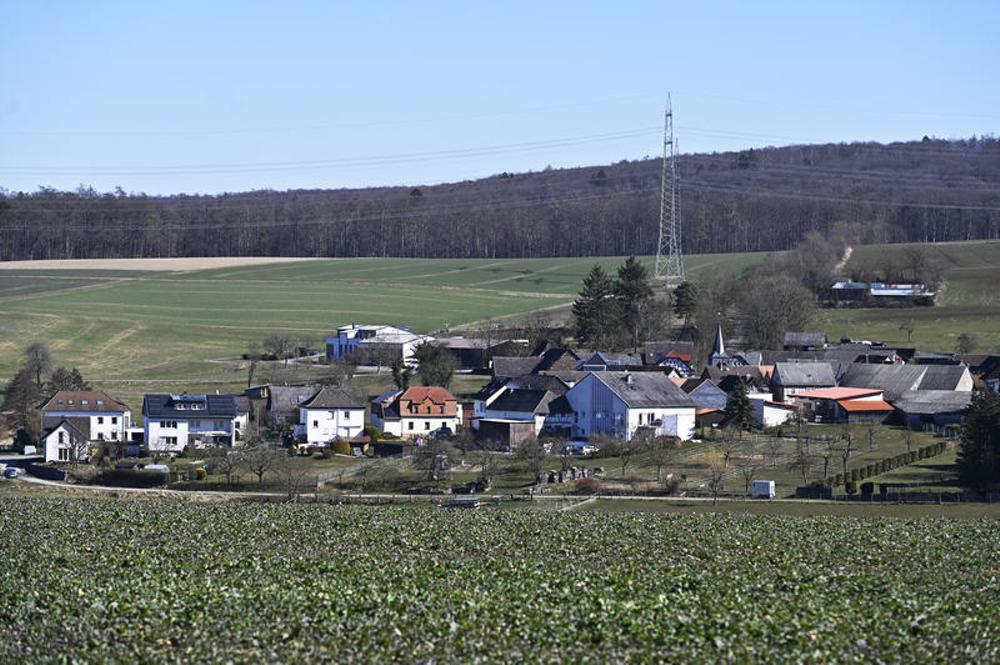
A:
x: 766, y: 199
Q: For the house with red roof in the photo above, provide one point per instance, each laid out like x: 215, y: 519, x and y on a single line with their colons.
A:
x: 844, y: 404
x: 416, y: 412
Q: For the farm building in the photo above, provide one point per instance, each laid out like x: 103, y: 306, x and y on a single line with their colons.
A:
x: 804, y: 341
x: 500, y: 385
x: 416, y: 412
x: 281, y: 403
x: 472, y: 353
x: 842, y: 404
x: 618, y: 403
x: 932, y: 410
x: 552, y: 359
x: 330, y: 414
x: 547, y: 413
x: 894, y: 380
x: 791, y: 378
x: 174, y: 422
x: 375, y: 344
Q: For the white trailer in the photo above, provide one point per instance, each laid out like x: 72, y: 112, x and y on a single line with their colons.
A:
x: 762, y: 489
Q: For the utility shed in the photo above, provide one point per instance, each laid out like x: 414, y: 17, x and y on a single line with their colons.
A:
x: 932, y: 410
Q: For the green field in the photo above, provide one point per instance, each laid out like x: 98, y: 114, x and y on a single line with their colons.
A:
x: 158, y: 580
x: 969, y: 302
x: 131, y: 332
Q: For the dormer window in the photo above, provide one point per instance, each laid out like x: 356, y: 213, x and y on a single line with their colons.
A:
x: 196, y: 407
x: 100, y: 402
x: 71, y: 402
x: 84, y: 402
x: 61, y: 402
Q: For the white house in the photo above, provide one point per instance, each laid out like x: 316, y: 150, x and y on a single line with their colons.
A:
x: 106, y: 418
x: 397, y: 343
x: 68, y: 440
x: 332, y: 413
x: 416, y: 412
x: 618, y: 403
x: 768, y: 413
x: 174, y: 422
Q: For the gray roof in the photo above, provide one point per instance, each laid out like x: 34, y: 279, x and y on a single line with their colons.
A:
x: 523, y: 401
x: 817, y: 339
x: 189, y: 406
x: 645, y: 389
x: 80, y: 425
x: 817, y: 374
x: 930, y: 402
x: 288, y: 398
x: 894, y: 380
x: 511, y: 366
x: 332, y: 398
x: 942, y: 377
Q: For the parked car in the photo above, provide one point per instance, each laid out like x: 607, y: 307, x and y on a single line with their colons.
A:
x: 441, y: 433
x: 580, y: 448
x: 11, y: 472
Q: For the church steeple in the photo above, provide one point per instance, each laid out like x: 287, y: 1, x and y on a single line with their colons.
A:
x: 719, y: 348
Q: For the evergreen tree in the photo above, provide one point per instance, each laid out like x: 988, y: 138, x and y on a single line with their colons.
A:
x: 634, y: 294
x: 436, y: 367
x: 739, y: 409
x: 401, y: 374
x: 979, y: 445
x: 65, y: 379
x: 22, y: 398
x: 594, y: 310
x: 685, y: 301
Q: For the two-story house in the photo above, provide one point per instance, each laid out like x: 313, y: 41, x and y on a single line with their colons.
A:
x: 174, y: 422
x: 72, y: 419
x: 332, y: 413
x: 416, y: 411
x: 375, y: 344
x: 617, y: 404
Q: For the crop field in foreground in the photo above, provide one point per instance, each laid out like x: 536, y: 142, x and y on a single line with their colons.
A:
x: 154, y: 580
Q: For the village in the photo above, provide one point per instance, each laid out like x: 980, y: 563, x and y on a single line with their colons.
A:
x: 820, y: 418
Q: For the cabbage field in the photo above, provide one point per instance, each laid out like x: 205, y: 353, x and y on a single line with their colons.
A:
x: 159, y: 580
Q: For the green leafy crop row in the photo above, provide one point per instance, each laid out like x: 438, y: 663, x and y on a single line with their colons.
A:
x: 138, y: 581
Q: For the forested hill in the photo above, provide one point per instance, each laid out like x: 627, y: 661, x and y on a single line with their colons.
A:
x: 766, y: 199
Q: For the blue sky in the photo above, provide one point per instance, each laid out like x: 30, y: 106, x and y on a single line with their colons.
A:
x: 213, y: 96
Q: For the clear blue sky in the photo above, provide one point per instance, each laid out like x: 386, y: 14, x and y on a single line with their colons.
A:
x: 212, y: 96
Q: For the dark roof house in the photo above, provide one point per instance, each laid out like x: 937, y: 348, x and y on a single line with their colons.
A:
x: 332, y: 398
x: 185, y: 406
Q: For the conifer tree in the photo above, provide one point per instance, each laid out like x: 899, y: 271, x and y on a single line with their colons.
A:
x: 979, y: 446
x: 739, y: 409
x: 594, y: 310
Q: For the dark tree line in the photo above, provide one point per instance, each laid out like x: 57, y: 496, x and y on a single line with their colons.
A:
x: 765, y: 199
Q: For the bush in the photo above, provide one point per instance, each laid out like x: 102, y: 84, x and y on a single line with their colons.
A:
x: 867, y: 489
x: 851, y: 487
x: 341, y: 447
x: 854, y: 476
x: 200, y: 473
x: 588, y: 485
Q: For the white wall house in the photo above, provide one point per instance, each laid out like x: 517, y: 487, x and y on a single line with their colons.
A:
x: 90, y: 414
x: 416, y: 412
x: 397, y: 342
x: 618, y: 403
x: 768, y: 413
x: 67, y: 441
x: 174, y: 422
x: 331, y: 414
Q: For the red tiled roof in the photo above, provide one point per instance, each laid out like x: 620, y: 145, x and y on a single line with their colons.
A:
x: 838, y: 393
x: 422, y: 393
x: 860, y: 405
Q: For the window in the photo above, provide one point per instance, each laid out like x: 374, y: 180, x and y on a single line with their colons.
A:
x: 100, y: 420
x: 64, y: 454
x: 411, y: 425
x: 114, y: 420
x: 100, y: 436
x: 85, y: 402
x: 100, y: 402
x: 170, y: 440
x: 62, y: 437
x: 169, y: 424
x: 347, y: 415
x: 114, y: 436
x: 427, y: 424
x: 315, y: 423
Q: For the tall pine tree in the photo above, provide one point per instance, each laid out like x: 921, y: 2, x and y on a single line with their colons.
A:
x: 594, y: 310
x: 979, y: 446
x: 634, y: 293
x: 739, y: 410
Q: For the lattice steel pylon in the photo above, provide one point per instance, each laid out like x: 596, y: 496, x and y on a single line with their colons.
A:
x: 669, y: 260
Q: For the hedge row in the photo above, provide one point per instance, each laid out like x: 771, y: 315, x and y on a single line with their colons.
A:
x: 856, y: 475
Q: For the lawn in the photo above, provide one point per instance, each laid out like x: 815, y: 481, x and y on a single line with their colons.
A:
x: 154, y: 580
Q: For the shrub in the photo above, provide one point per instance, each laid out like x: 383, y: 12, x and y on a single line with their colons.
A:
x: 851, y: 487
x: 200, y: 473
x: 867, y: 489
x: 341, y: 447
x: 854, y: 475
x: 588, y: 485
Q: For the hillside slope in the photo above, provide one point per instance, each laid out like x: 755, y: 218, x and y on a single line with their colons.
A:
x: 767, y: 199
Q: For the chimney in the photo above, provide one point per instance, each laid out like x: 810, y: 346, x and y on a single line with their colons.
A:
x: 628, y: 378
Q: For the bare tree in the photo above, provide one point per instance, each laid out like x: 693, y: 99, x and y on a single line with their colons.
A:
x: 908, y: 439
x: 227, y: 462
x: 259, y: 458
x: 658, y: 451
x: 435, y: 458
x: 531, y: 452
x: 845, y: 452
x: 728, y: 443
x: 293, y: 473
x: 872, y: 431
x: 38, y: 361
x: 802, y: 462
x: 716, y: 474
x: 748, y: 462
x: 253, y: 356
x: 280, y: 345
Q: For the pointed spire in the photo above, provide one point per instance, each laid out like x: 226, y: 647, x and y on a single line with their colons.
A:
x: 719, y: 348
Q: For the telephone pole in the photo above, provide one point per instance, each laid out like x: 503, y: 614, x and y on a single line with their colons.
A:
x: 669, y: 260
